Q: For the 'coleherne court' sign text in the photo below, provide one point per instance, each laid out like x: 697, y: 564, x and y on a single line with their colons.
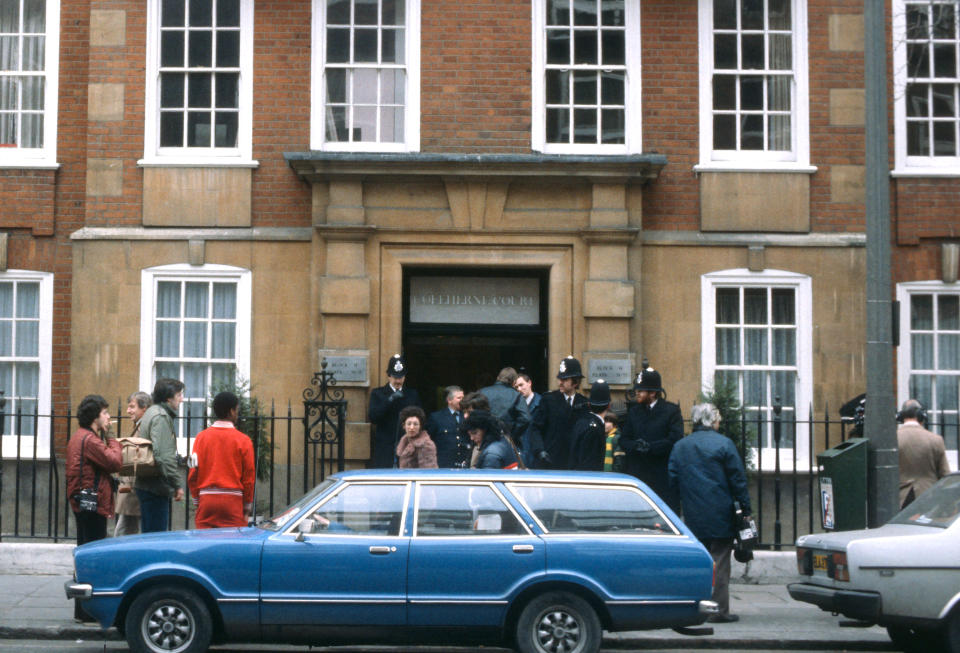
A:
x: 474, y: 300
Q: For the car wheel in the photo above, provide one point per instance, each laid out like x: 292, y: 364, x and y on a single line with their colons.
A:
x: 907, y: 638
x: 951, y: 633
x: 167, y: 620
x: 558, y: 622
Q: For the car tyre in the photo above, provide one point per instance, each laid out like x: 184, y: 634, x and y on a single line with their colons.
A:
x: 907, y: 638
x: 167, y: 620
x: 558, y: 622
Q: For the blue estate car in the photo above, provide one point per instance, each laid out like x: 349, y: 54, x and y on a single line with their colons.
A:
x: 541, y: 561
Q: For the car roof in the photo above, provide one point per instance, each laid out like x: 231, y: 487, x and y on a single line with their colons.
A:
x: 501, y: 475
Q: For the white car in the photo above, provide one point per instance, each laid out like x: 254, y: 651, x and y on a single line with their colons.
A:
x: 904, y: 575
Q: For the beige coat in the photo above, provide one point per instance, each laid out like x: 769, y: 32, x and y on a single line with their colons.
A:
x: 923, y: 459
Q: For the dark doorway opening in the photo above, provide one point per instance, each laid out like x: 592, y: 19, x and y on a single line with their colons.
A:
x: 471, y: 354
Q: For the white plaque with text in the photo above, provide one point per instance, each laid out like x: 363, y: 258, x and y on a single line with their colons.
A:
x: 615, y: 371
x: 474, y: 300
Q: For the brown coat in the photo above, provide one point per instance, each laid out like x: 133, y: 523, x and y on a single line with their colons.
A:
x: 417, y: 452
x: 923, y: 459
x: 97, y: 455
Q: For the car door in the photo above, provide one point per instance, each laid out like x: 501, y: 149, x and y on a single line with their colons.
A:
x: 350, y: 569
x: 469, y: 552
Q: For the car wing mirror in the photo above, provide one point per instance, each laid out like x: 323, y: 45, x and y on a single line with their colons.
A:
x: 303, y: 528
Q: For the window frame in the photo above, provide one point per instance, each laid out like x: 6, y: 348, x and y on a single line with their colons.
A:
x: 242, y: 155
x: 411, y: 113
x: 211, y: 273
x: 292, y: 529
x: 524, y: 528
x: 905, y: 291
x: 907, y: 165
x: 28, y: 444
x: 798, y: 157
x: 633, y: 79
x: 43, y: 157
x: 802, y: 286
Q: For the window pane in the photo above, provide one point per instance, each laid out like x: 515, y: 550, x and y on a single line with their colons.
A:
x: 9, y: 53
x: 221, y: 375
x: 392, y: 48
x: 921, y: 348
x: 365, y: 45
x: 918, y: 139
x: 781, y: 52
x: 614, y: 48
x: 391, y: 124
x: 944, y: 60
x: 6, y: 339
x: 754, y: 388
x: 585, y: 12
x: 946, y: 393
x: 28, y: 338
x: 228, y: 49
x: 225, y: 129
x: 6, y: 299
x: 171, y: 90
x: 393, y: 12
x: 724, y: 92
x: 921, y: 388
x: 198, y: 93
x: 224, y: 339
x: 944, y: 139
x: 168, y: 339
x: 224, y: 301
x: 195, y: 340
x: 917, y: 103
x: 752, y: 52
x: 172, y: 13
x: 725, y: 51
x: 948, y: 312
x: 728, y: 347
x: 584, y: 87
x: 751, y: 133
x: 195, y: 299
x: 917, y: 22
x: 228, y: 13
x: 364, y: 510
x: 725, y: 14
x: 171, y: 130
x: 338, y: 12
x: 728, y: 306
x: 336, y: 124
x: 783, y: 306
x: 200, y: 49
x: 585, y: 126
x: 944, y: 104
x: 784, y: 385
x: 201, y: 13
x: 755, y: 346
x: 392, y: 87
x: 591, y: 510
x: 558, y: 91
x: 28, y: 300
x: 921, y: 312
x: 558, y: 126
x: 611, y: 12
x: 779, y: 14
x: 751, y: 93
x: 365, y: 86
x: 338, y: 45
x: 32, y: 130
x: 612, y: 126
x: 751, y: 14
x: 228, y: 91
x: 584, y: 47
x: 784, y: 347
x: 168, y: 299
x: 558, y: 12
x: 195, y: 380
x: 944, y: 26
x: 948, y: 351
x: 198, y: 129
x: 755, y: 306
x: 365, y: 124
x: 446, y: 510
x: 918, y: 60
x: 171, y: 49
x: 724, y: 132
x: 34, y: 53
x: 365, y: 12
x: 558, y: 46
x: 34, y: 16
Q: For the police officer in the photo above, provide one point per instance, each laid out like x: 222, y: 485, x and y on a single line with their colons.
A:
x: 652, y: 427
x: 444, y: 427
x: 386, y: 402
x: 550, y: 431
x: 589, y: 437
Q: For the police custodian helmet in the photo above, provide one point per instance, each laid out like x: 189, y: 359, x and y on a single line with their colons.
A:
x: 570, y: 369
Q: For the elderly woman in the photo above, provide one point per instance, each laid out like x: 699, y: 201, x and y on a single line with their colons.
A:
x: 494, y: 451
x: 706, y: 471
x: 92, y: 457
x: 416, y: 449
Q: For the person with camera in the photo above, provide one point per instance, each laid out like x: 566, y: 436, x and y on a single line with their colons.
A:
x: 923, y: 457
x: 92, y: 456
x: 386, y: 402
x: 705, y: 470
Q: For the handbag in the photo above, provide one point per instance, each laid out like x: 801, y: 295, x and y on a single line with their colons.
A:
x: 86, y: 499
x: 747, y: 534
x: 137, y: 455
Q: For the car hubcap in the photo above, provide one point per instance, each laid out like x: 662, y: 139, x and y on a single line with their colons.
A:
x: 168, y: 627
x: 558, y: 632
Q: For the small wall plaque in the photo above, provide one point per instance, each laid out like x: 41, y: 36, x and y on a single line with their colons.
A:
x: 348, y: 368
x: 615, y: 371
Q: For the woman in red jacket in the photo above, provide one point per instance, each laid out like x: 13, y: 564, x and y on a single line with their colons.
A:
x: 90, y: 451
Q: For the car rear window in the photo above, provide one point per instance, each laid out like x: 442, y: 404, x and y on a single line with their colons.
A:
x: 938, y: 507
x: 449, y: 509
x: 592, y: 509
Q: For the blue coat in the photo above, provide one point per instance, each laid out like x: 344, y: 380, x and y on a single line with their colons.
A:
x: 706, y: 471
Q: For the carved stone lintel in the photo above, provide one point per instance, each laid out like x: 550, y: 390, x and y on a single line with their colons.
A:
x: 610, y: 235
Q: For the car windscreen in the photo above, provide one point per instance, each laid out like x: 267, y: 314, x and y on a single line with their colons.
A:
x: 279, y: 520
x: 938, y: 507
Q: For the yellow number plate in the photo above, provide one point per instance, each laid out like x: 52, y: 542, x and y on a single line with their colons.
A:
x: 820, y: 562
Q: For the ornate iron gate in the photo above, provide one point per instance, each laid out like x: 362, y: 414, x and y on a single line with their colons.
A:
x: 324, y: 421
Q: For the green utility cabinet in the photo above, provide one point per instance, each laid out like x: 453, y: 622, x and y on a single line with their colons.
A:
x: 842, y: 471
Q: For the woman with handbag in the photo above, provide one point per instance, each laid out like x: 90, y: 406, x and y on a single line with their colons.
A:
x: 92, y: 456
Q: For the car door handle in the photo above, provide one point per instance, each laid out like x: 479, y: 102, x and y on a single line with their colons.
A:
x: 523, y: 548
x: 382, y: 550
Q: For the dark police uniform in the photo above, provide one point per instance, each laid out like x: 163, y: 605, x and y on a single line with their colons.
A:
x: 384, y: 414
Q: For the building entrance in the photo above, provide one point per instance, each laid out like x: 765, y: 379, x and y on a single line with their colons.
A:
x: 461, y: 327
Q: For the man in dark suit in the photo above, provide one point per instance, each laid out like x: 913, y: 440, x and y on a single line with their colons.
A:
x: 652, y: 427
x: 386, y: 402
x: 553, y: 420
x: 589, y: 437
x: 444, y: 428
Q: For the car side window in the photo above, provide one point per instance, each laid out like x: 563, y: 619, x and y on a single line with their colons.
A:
x: 361, y: 509
x: 445, y: 510
x: 592, y: 509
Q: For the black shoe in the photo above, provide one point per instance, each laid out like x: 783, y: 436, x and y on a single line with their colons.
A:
x: 723, y: 618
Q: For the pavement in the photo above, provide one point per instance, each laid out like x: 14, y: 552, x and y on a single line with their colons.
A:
x: 33, y: 607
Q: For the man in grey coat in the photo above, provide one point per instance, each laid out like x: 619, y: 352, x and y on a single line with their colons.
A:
x: 157, y: 425
x: 706, y: 471
x: 506, y: 404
